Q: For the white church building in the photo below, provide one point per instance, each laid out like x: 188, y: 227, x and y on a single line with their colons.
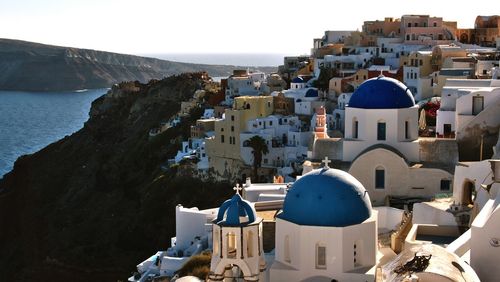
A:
x: 327, y: 230
x: 381, y: 146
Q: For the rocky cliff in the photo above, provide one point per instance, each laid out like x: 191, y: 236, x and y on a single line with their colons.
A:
x: 93, y: 205
x: 37, y: 67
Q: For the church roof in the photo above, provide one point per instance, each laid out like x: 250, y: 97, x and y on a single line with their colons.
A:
x: 311, y: 93
x: 327, y: 197
x: 235, y: 212
x: 298, y: 79
x: 382, y: 93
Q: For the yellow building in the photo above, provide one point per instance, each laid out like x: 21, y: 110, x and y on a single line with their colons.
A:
x: 223, y: 149
x: 420, y: 59
x: 441, y: 52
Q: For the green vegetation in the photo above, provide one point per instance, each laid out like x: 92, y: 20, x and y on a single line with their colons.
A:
x: 259, y: 146
x: 322, y: 83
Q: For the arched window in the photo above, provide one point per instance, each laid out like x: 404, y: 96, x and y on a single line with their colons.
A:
x: 231, y: 246
x: 320, y: 256
x: 287, y: 249
x: 355, y: 128
x: 381, y: 130
x: 379, y: 178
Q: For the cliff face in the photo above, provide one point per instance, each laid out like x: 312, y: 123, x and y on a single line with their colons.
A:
x: 38, y: 67
x: 94, y: 204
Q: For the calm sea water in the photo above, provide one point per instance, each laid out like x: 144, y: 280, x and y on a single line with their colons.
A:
x: 30, y: 121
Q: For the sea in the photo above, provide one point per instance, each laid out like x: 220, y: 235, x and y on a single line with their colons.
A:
x: 30, y: 121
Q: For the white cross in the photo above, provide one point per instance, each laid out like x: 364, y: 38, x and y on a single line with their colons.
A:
x: 326, y: 161
x: 237, y: 188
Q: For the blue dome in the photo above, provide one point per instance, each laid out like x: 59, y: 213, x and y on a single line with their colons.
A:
x: 382, y: 93
x: 231, y: 211
x: 327, y: 197
x: 298, y: 79
x: 311, y: 93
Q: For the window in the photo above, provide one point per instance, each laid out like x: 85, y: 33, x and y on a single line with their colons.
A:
x: 222, y: 129
x: 381, y: 131
x: 216, y: 243
x: 407, y: 37
x: 355, y: 128
x: 445, y: 185
x: 477, y: 104
x: 357, y: 256
x: 231, y: 245
x: 287, y: 249
x: 270, y: 123
x: 250, y: 244
x: 268, y: 104
x: 320, y: 256
x: 232, y: 128
x: 222, y: 138
x: 407, y: 130
x: 379, y: 178
x: 409, y: 24
x: 421, y: 62
x: 434, y: 24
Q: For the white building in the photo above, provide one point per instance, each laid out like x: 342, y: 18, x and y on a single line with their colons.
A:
x: 381, y: 111
x: 327, y: 230
x: 286, y: 140
x: 247, y: 84
x: 463, y: 101
x: 381, y: 144
x: 339, y: 111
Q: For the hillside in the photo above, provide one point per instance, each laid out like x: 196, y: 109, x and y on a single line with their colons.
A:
x: 37, y: 67
x: 91, y: 206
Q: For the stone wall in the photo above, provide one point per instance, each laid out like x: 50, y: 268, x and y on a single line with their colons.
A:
x: 435, y: 150
x: 328, y: 147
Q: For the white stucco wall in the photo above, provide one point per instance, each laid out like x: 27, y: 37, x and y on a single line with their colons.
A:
x: 445, y: 117
x: 367, y: 131
x: 424, y: 213
x: 339, y: 242
x: 485, y: 231
x: 389, y: 218
x: 189, y: 223
x: 400, y: 180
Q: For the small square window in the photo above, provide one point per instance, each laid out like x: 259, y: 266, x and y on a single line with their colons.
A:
x: 445, y: 185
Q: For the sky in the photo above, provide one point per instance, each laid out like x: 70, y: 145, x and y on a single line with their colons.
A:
x: 203, y: 26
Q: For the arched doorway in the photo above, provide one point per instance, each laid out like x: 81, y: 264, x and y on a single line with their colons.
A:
x: 464, y: 38
x: 467, y: 192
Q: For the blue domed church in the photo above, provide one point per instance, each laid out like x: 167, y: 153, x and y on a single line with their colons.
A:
x: 327, y: 230
x: 381, y: 145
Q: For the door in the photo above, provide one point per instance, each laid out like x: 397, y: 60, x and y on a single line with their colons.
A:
x: 447, y: 130
x: 477, y: 104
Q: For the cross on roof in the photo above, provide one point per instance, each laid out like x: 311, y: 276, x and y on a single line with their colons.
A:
x: 326, y: 161
x: 237, y: 188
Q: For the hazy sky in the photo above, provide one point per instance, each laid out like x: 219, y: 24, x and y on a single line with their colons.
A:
x: 203, y: 26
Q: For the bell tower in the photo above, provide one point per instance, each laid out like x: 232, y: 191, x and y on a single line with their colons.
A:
x: 237, y: 242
